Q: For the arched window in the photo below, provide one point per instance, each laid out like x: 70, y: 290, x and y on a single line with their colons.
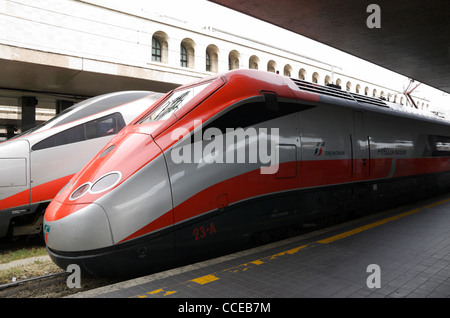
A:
x: 315, y: 77
x: 187, y: 53
x: 183, y: 56
x: 160, y: 47
x: 212, y: 58
x: 253, y: 62
x: 271, y: 66
x: 233, y: 60
x: 156, y: 50
x: 208, y: 62
x: 348, y: 86
x: 302, y: 74
x: 287, y: 70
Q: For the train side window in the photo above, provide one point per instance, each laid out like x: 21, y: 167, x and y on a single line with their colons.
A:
x: 93, y: 106
x: 105, y: 126
x: 74, y: 134
x: 439, y: 146
x: 253, y: 113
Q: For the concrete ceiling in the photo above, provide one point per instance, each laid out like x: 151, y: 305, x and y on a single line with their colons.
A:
x: 414, y: 38
x: 38, y: 74
x: 69, y: 84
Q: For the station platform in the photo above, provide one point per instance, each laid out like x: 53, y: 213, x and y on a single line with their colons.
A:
x: 399, y: 253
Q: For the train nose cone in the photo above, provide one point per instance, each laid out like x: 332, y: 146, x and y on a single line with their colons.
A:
x: 86, y: 228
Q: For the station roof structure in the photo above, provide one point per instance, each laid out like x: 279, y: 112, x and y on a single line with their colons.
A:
x: 413, y: 38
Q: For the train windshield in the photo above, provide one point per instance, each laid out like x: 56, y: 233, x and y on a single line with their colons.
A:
x: 177, y: 100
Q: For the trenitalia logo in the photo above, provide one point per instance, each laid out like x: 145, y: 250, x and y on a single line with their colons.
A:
x: 319, y: 149
x: 236, y: 145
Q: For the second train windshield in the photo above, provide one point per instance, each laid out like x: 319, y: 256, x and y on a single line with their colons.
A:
x: 177, y: 100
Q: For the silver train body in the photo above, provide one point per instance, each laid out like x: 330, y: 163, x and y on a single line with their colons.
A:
x: 37, y: 163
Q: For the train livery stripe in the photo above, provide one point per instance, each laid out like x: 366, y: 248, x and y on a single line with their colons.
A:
x: 16, y: 200
x: 41, y: 193
x: 406, y: 167
x: 253, y: 184
x: 236, y: 189
x: 160, y: 223
x: 312, y: 174
x: 47, y: 191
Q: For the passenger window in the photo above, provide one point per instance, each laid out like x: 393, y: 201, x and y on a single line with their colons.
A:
x: 253, y: 113
x: 90, y: 130
x: 439, y: 146
x: 105, y: 126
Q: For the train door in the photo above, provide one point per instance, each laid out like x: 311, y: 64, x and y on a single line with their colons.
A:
x: 14, y: 182
x: 360, y: 146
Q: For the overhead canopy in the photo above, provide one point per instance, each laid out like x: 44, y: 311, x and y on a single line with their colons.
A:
x: 414, y: 38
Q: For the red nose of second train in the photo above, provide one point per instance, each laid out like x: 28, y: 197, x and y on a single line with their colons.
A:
x: 75, y: 213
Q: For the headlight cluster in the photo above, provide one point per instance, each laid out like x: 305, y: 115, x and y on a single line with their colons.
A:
x: 103, y: 183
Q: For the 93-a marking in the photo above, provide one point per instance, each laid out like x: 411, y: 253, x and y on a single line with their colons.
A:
x: 203, y: 231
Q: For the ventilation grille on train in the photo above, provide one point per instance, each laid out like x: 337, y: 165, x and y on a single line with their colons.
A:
x: 335, y: 92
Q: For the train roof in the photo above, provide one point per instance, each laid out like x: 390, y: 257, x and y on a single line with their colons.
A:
x: 335, y: 95
x: 88, y: 108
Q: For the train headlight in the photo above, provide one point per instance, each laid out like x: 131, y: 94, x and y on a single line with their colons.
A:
x: 103, y: 183
x: 80, y: 191
x: 106, y: 182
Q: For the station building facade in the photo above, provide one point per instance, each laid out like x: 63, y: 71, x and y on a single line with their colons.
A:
x: 60, y: 52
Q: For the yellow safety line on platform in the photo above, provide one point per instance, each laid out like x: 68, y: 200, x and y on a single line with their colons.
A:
x: 437, y: 203
x: 372, y: 225
x: 243, y: 267
x: 204, y: 279
x: 366, y: 227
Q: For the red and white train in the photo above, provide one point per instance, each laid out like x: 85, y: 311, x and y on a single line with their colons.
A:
x: 173, y: 185
x: 36, y: 164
